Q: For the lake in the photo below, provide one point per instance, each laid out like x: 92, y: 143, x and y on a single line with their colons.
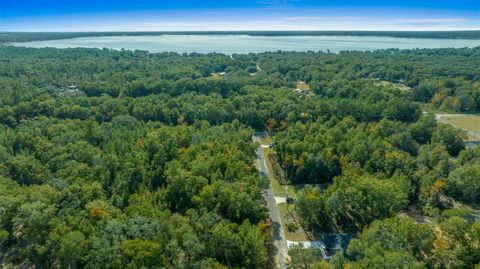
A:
x: 230, y: 44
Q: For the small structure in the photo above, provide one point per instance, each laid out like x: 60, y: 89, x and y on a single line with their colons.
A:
x: 300, y: 91
x: 222, y: 74
x: 302, y: 88
x: 72, y: 88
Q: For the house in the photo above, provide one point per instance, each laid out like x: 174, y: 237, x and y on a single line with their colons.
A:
x: 334, y: 243
x: 328, y: 244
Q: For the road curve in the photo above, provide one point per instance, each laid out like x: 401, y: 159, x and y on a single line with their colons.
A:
x: 439, y: 118
x: 278, y: 234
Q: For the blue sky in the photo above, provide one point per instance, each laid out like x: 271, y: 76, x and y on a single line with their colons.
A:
x: 180, y: 15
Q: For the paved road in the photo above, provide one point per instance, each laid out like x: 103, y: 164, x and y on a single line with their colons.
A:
x: 278, y: 235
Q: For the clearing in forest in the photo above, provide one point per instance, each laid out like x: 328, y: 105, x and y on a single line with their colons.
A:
x: 303, y: 86
x: 471, y: 123
x: 399, y: 85
x: 468, y: 122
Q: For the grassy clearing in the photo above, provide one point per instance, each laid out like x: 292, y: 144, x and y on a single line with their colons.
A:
x: 292, y: 190
x: 266, y: 140
x: 467, y: 122
x: 267, y: 152
x: 289, y: 218
x: 281, y: 190
x: 399, y: 86
x: 277, y: 188
x: 303, y: 86
x: 215, y: 76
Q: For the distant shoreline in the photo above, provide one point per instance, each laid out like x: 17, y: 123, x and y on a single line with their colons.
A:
x: 244, y: 44
x: 12, y: 37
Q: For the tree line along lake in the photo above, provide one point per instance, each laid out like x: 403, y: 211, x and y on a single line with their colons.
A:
x: 240, y: 43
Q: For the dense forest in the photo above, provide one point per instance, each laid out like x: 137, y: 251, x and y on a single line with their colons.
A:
x: 130, y: 159
x: 7, y: 37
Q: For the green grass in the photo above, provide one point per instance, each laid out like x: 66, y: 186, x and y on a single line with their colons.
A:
x: 288, y: 215
x: 281, y: 190
x: 277, y: 188
x: 399, y: 86
x: 303, y: 86
x: 292, y: 190
x: 266, y: 141
x: 471, y: 123
x: 215, y: 76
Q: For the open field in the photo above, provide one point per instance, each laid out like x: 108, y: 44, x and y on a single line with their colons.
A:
x: 467, y: 122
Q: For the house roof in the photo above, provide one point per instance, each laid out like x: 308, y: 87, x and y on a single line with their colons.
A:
x: 336, y: 241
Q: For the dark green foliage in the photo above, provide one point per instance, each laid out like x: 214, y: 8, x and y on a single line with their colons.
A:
x: 351, y: 203
x: 150, y: 162
x: 464, y: 184
x: 399, y: 242
x: 450, y: 137
x: 81, y: 202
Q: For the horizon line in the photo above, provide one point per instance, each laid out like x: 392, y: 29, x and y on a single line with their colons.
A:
x: 239, y: 31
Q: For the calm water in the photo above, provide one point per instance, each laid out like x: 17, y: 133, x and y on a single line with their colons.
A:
x: 229, y: 44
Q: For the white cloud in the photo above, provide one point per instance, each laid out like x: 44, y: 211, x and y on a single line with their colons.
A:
x: 303, y: 18
x: 432, y: 20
